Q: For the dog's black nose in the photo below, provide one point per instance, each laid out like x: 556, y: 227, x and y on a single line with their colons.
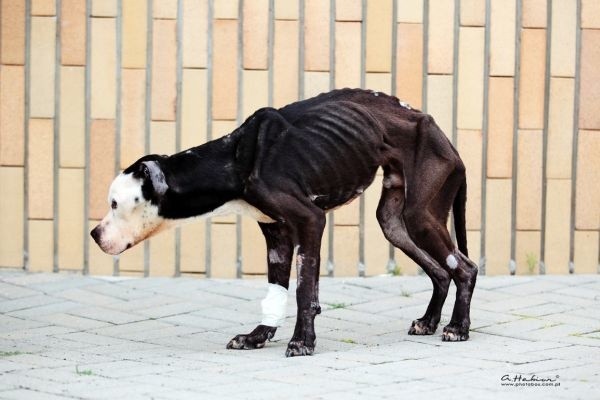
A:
x: 95, y: 233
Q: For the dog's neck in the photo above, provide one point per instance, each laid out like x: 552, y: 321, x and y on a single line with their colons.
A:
x: 202, y: 178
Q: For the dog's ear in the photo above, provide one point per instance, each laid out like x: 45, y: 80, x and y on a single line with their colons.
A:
x: 152, y: 172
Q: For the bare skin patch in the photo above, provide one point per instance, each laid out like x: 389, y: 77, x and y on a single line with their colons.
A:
x: 451, y: 262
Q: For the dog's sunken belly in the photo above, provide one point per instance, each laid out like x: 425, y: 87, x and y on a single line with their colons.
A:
x: 286, y: 168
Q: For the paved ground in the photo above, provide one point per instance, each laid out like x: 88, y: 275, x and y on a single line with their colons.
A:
x: 68, y: 336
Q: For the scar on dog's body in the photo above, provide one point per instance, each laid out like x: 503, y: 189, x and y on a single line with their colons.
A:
x: 286, y: 168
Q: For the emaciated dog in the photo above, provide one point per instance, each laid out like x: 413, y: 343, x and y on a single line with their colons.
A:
x: 287, y: 168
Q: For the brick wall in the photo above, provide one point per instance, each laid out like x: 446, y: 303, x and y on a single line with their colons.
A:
x: 87, y: 87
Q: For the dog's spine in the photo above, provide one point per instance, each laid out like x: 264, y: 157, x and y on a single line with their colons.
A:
x: 458, y: 208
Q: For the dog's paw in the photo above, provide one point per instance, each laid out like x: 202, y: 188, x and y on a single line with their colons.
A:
x: 299, y: 348
x: 455, y: 333
x: 422, y: 326
x: 254, y: 340
x: 244, y: 342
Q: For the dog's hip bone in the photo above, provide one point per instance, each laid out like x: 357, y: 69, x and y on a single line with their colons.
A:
x: 274, y: 305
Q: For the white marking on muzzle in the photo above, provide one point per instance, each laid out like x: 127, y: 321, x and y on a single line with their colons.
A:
x: 274, y: 305
x: 451, y: 262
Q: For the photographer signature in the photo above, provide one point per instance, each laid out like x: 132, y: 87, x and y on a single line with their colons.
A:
x: 531, y: 378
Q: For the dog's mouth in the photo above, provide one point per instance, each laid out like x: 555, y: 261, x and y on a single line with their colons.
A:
x: 115, y: 252
x: 106, y: 246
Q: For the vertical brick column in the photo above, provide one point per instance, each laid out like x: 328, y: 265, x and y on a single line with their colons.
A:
x: 12, y: 131
x: 587, y: 218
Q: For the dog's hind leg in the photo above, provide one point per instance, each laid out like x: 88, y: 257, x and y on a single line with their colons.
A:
x: 389, y: 215
x: 465, y: 273
x: 279, y: 258
x: 433, y: 182
x: 426, y: 223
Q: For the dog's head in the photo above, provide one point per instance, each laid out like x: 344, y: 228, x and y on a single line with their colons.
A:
x: 134, y: 199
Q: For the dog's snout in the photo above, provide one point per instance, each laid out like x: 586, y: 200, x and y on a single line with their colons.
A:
x: 95, y: 233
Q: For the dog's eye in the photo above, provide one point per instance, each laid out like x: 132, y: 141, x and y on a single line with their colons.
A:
x: 113, y: 205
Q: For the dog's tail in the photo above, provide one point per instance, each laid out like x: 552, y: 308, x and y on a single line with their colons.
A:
x: 458, y: 209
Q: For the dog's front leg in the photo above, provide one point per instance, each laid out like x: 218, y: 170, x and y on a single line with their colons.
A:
x: 280, y: 252
x: 307, y: 291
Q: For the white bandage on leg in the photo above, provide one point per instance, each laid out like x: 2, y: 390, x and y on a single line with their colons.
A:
x: 274, y: 305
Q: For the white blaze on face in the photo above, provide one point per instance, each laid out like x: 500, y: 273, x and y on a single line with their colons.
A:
x: 132, y: 220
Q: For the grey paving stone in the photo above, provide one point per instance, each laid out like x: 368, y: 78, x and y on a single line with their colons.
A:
x: 116, y: 291
x: 36, y: 360
x: 148, y: 300
x: 9, y: 365
x: 27, y: 302
x: 581, y: 302
x: 72, y: 321
x: 44, y: 310
x: 581, y: 339
x: 544, y: 309
x: 412, y: 389
x: 512, y: 304
x: 118, y: 391
x: 29, y: 279
x: 73, y: 356
x: 115, y: 350
x: 231, y: 315
x: 539, y: 324
x: 385, y: 303
x: 551, y: 332
x: 9, y: 323
x: 574, y: 352
x: 84, y: 296
x: 572, y: 319
x: 15, y: 292
x: 580, y: 292
x: 503, y: 281
x: 69, y: 281
x: 170, y: 309
x: 360, y: 317
x: 197, y: 321
x: 533, y: 287
x: 22, y: 379
x: 29, y: 394
x: 170, y: 331
x: 539, y: 367
x: 23, y: 334
x: 205, y: 299
x: 231, y: 290
x: 106, y: 315
x: 514, y: 327
x: 124, y: 329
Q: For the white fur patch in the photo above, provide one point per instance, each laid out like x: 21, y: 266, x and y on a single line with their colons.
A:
x: 132, y: 220
x: 124, y: 187
x: 299, y: 265
x: 274, y: 257
x: 239, y: 207
x: 274, y: 305
x: 451, y: 262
